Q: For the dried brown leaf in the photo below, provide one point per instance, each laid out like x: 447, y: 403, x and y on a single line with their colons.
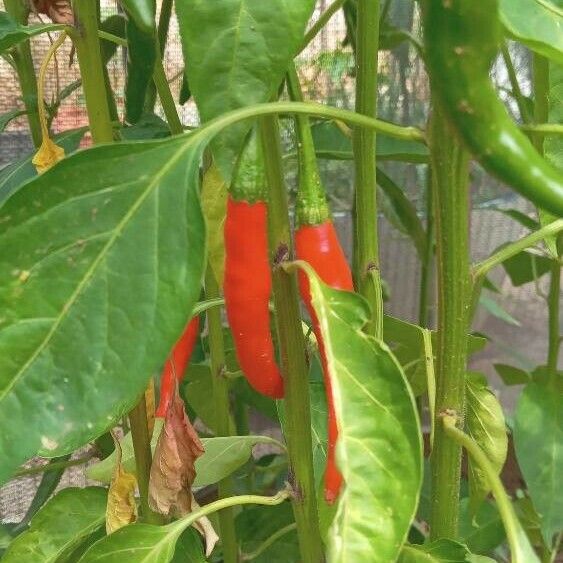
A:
x: 204, y: 526
x: 60, y: 11
x: 173, y: 466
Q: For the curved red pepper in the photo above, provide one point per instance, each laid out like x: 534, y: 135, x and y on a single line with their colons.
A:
x: 319, y: 246
x: 177, y: 363
x: 247, y: 287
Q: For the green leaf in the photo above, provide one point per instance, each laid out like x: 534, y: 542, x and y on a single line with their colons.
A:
x: 256, y: 524
x: 60, y: 526
x: 12, y: 33
x: 5, y: 118
x: 520, y: 217
x: 536, y: 23
x: 149, y: 126
x: 16, y: 173
x: 142, y: 12
x: 511, y: 375
x: 482, y: 531
x: 242, y: 49
x: 185, y: 92
x: 331, y: 143
x: 485, y: 424
x: 379, y: 450
x: 526, y: 266
x: 129, y: 212
x: 189, y: 548
x: 538, y: 439
x: 497, y: 311
x: 222, y: 456
x: 197, y: 392
x: 141, y: 57
x: 439, y: 551
x: 404, y: 211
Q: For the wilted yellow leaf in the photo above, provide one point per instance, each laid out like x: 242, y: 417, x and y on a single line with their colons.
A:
x: 121, y: 508
x: 204, y: 526
x: 173, y: 465
x: 48, y: 155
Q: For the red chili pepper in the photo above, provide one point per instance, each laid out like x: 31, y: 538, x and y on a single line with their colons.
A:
x: 319, y: 246
x: 176, y: 364
x: 247, y: 287
x: 316, y: 242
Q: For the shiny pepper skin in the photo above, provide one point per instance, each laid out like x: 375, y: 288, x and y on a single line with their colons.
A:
x: 319, y: 246
x: 247, y: 288
x: 176, y: 364
x: 462, y: 42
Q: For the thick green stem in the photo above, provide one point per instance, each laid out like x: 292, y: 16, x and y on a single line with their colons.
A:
x: 426, y: 265
x: 23, y: 60
x: 222, y: 412
x: 366, y: 254
x: 292, y: 349
x: 162, y: 34
x: 311, y: 205
x: 87, y: 46
x: 554, y: 304
x: 451, y: 197
x: 541, y: 115
x: 143, y: 458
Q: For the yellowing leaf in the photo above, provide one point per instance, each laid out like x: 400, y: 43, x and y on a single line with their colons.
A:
x: 173, y: 470
x: 214, y: 204
x: 121, y: 508
x: 48, y: 155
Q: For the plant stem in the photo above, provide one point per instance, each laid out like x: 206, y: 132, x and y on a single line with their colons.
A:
x: 162, y: 35
x: 366, y: 253
x: 517, y: 539
x: 143, y: 458
x: 292, y: 350
x: 450, y: 175
x: 87, y: 46
x: 222, y: 412
x: 553, y: 303
x: 517, y: 93
x: 541, y: 114
x: 53, y: 466
x: 544, y: 128
x: 320, y: 23
x: 426, y: 266
x: 23, y: 60
x: 268, y: 542
x: 166, y: 98
x: 481, y: 269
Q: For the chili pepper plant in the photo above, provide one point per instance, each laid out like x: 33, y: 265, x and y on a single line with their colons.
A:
x: 181, y: 270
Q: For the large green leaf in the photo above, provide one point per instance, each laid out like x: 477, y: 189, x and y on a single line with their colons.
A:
x: 12, y: 33
x: 60, y: 526
x: 222, y: 456
x: 439, y: 551
x: 142, y: 12
x: 536, y: 23
x: 332, y: 143
x: 538, y: 439
x: 189, y: 548
x: 379, y: 450
x: 101, y: 260
x: 482, y: 531
x: 525, y: 267
x: 237, y: 52
x: 16, y: 173
x: 485, y: 424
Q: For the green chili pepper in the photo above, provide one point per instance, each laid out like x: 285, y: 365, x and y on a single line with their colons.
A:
x: 462, y: 40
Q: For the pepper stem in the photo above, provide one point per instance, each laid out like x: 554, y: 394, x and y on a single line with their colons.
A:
x: 311, y: 206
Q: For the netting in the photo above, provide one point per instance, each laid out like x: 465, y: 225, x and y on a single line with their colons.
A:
x: 327, y: 70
